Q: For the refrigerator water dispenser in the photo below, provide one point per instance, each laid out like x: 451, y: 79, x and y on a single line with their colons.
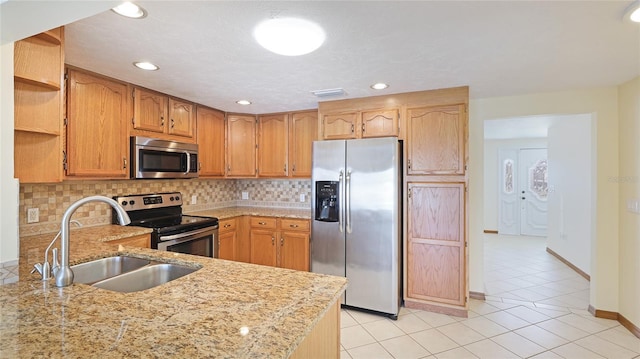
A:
x: 327, y: 201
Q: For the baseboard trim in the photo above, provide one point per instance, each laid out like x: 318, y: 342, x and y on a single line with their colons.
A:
x: 477, y: 295
x: 436, y: 308
x: 569, y: 264
x: 491, y: 231
x: 635, y: 330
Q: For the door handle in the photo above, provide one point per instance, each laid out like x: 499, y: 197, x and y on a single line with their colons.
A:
x: 348, y: 200
x: 341, y: 204
x: 523, y: 197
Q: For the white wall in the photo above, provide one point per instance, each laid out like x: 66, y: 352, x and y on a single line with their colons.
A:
x: 603, y: 104
x: 569, y: 231
x: 629, y: 182
x: 491, y: 173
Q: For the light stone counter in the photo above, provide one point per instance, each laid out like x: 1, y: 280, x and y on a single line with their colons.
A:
x: 230, y: 212
x: 224, y: 310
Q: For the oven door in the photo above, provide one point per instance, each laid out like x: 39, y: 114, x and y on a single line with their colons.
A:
x: 201, y: 242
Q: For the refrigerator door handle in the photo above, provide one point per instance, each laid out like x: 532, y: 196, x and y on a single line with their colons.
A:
x: 347, y: 200
x: 340, y: 203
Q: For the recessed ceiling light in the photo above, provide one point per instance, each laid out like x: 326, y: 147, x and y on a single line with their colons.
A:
x: 379, y: 86
x: 145, y: 66
x: 131, y: 10
x: 243, y: 102
x: 289, y: 36
x: 633, y: 12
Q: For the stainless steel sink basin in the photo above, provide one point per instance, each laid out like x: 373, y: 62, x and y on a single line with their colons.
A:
x: 94, y: 271
x: 145, y: 277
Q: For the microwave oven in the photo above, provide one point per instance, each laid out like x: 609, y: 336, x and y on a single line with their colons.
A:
x: 154, y: 158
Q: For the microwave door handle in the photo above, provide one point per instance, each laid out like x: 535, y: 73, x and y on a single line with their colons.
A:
x: 188, y: 162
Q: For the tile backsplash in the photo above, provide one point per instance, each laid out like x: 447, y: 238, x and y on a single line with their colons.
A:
x: 52, y: 199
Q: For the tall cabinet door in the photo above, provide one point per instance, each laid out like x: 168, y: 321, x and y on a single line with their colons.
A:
x: 303, y: 131
x: 436, y: 259
x: 273, y: 145
x: 210, y: 140
x: 241, y: 146
x: 97, y: 115
x: 436, y: 140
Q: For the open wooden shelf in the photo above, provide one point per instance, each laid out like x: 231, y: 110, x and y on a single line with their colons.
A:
x: 52, y: 36
x: 38, y: 82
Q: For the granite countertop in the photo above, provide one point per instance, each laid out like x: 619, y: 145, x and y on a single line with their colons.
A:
x: 230, y: 212
x: 225, y: 309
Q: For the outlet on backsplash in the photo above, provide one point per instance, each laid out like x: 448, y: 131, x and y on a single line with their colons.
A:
x: 302, y: 197
x: 245, y: 195
x: 33, y: 215
x: 194, y: 199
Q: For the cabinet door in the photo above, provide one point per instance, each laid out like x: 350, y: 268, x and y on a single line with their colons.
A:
x: 303, y: 131
x: 97, y: 126
x: 263, y: 247
x: 436, y: 256
x: 436, y: 140
x: 381, y: 123
x: 227, y: 245
x: 210, y: 139
x: 241, y: 146
x: 149, y: 110
x: 339, y: 126
x: 181, y: 118
x: 294, y: 250
x: 273, y: 145
x: 142, y: 241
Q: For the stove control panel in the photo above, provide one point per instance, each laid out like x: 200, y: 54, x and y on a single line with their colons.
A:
x: 149, y: 201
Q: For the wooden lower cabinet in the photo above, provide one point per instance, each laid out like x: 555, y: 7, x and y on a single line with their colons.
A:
x: 436, y: 247
x: 324, y: 339
x: 227, y: 236
x: 280, y: 242
x: 141, y: 241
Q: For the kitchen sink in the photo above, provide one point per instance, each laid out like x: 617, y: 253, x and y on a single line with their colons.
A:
x: 95, y: 271
x: 144, y: 278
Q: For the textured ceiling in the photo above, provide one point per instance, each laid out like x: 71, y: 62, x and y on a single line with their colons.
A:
x: 206, y: 52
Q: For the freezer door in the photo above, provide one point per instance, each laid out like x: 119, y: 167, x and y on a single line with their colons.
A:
x: 327, y: 237
x: 372, y: 222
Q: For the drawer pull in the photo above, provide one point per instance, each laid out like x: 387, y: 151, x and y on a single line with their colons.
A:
x: 227, y: 225
x: 294, y: 226
x: 262, y: 223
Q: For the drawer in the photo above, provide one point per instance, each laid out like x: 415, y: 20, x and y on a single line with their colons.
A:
x: 227, y: 225
x: 264, y: 222
x: 288, y: 224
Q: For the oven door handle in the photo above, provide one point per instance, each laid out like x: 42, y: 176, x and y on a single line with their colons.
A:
x: 208, y: 230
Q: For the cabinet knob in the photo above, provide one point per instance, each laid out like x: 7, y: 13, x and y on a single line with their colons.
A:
x: 281, y: 241
x: 161, y: 121
x: 227, y: 225
x: 124, y: 163
x: 273, y: 241
x: 172, y: 123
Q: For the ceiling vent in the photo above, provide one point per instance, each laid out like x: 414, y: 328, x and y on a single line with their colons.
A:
x: 329, y: 92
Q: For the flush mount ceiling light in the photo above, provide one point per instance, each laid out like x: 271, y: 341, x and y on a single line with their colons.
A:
x: 289, y: 36
x: 131, y: 10
x: 633, y: 12
x: 145, y: 66
x: 243, y: 102
x: 379, y: 86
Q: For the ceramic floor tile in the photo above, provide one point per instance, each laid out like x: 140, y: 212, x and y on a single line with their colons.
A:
x: 460, y: 333
x: 572, y: 350
x: 457, y: 353
x: 356, y: 336
x: 583, y: 323
x: 541, y: 337
x: 605, y: 348
x: 622, y: 337
x: 344, y: 355
x: 486, y: 327
x: 383, y: 329
x: 435, y: 319
x: 547, y: 355
x: 563, y: 329
x: 411, y: 323
x: 363, y: 317
x: 404, y: 347
x: 369, y: 351
x: 434, y: 341
x: 507, y: 320
x: 527, y: 314
x: 482, y: 307
x: 489, y: 350
x: 346, y: 320
x: 518, y: 344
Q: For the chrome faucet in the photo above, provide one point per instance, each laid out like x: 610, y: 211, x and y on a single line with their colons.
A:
x: 64, y: 275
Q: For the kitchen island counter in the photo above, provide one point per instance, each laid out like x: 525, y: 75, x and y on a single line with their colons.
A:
x: 224, y: 310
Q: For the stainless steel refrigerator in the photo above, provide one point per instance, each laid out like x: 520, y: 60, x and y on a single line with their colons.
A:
x: 356, y: 227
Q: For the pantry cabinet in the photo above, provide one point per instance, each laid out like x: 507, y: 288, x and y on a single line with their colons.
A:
x: 97, y: 109
x: 159, y: 115
x: 241, y: 146
x: 273, y: 145
x: 38, y: 107
x: 280, y: 242
x: 210, y: 140
x: 303, y: 129
x: 227, y: 236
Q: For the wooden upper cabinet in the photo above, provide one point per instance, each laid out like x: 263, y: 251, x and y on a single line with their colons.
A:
x: 241, y: 146
x: 210, y: 139
x: 158, y: 115
x: 181, y: 118
x: 339, y: 126
x: 303, y: 131
x: 97, y: 112
x: 273, y: 145
x: 436, y: 257
x: 436, y: 140
x: 380, y: 123
x: 149, y: 110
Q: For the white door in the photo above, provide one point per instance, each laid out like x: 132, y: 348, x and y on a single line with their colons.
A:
x: 522, y: 196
